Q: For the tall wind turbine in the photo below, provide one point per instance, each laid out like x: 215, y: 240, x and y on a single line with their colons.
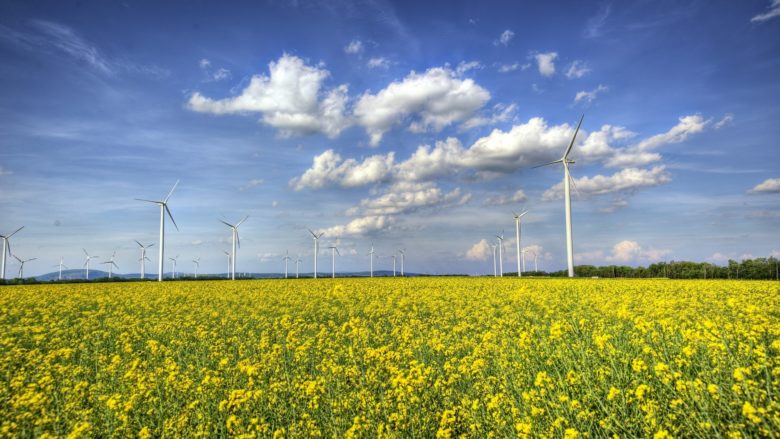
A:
x: 21, y: 267
x: 197, y: 265
x: 60, y: 265
x: 567, y: 198
x: 517, y: 243
x: 495, y: 271
x: 333, y: 251
x: 393, y: 256
x: 500, y: 254
x: 236, y: 240
x: 297, y: 265
x: 286, y: 259
x: 163, y: 208
x: 403, y: 256
x: 111, y: 264
x: 7, y: 246
x: 316, y: 248
x: 86, y: 264
x: 229, y: 259
x: 371, y: 257
x: 174, y: 265
x: 143, y: 257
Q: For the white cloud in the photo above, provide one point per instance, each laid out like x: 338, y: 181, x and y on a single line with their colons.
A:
x: 624, y: 252
x: 505, y: 37
x: 598, y: 143
x: 438, y: 97
x: 768, y: 186
x: 613, y: 206
x: 359, y: 226
x: 354, y: 47
x: 726, y: 120
x: 328, y: 169
x: 479, y: 251
x: 378, y: 63
x: 589, y: 96
x: 596, y: 23
x: 640, y: 154
x: 204, y: 63
x: 252, y: 183
x: 546, y: 63
x: 504, y: 199
x: 290, y: 99
x: 274, y: 203
x: 464, y: 67
x: 505, y: 68
x: 626, y: 180
x: 409, y: 197
x: 220, y: 74
x: 501, y: 113
x: 719, y: 257
x: 774, y: 11
x: 577, y: 69
x: 213, y: 75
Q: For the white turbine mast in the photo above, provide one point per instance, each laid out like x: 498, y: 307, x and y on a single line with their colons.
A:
x: 403, y: 256
x: 174, y: 265
x: 21, y: 265
x: 316, y: 248
x: 86, y: 263
x: 567, y: 180
x: 333, y: 251
x: 111, y: 264
x: 143, y: 258
x: 286, y: 259
x: 500, y: 254
x: 517, y: 244
x: 236, y: 241
x: 163, y: 209
x: 60, y: 265
x: 7, y: 246
x: 371, y: 258
x: 393, y: 256
x: 495, y: 270
x: 297, y: 265
x: 196, y: 261
x: 230, y: 258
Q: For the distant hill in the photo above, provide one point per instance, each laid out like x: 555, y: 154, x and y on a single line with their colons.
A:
x: 78, y: 274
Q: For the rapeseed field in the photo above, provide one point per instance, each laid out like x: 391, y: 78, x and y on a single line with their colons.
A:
x: 411, y: 357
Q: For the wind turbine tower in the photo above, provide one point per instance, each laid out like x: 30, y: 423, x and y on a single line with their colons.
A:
x: 111, y: 264
x: 316, y: 248
x: 174, y: 265
x: 86, y: 264
x: 7, y: 246
x: 517, y: 243
x: 403, y: 256
x: 21, y: 266
x: 60, y: 265
x: 236, y: 241
x: 333, y: 251
x: 163, y: 208
x: 500, y: 254
x: 196, y: 261
x: 286, y: 259
x: 371, y: 258
x: 144, y: 258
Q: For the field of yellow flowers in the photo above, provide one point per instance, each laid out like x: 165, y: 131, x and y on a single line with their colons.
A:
x: 412, y: 357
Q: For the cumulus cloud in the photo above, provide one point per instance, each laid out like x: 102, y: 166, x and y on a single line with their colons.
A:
x: 464, y: 66
x: 213, y: 75
x: 359, y: 226
x: 726, y: 120
x: 768, y: 186
x: 505, y: 68
x: 626, y: 180
x: 409, y: 197
x: 504, y: 199
x: 290, y: 99
x: 329, y: 169
x: 577, y: 69
x: 774, y: 11
x: 589, y: 96
x: 504, y: 39
x: 252, y: 183
x: 438, y: 97
x: 501, y: 113
x: 546, y: 63
x: 479, y: 251
x: 354, y: 47
x: 624, y: 252
x: 378, y: 63
x: 641, y: 153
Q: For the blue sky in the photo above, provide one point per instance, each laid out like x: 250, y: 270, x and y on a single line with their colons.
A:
x: 403, y: 124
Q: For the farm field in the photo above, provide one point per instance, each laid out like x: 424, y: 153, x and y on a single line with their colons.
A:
x: 412, y: 357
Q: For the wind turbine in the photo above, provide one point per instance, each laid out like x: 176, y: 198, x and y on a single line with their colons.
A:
x: 286, y: 259
x: 229, y: 259
x: 371, y: 257
x: 197, y: 265
x: 86, y: 264
x: 316, y: 248
x: 7, y: 246
x: 333, y: 251
x: 297, y: 265
x: 495, y: 272
x: 111, y: 264
x: 143, y: 258
x: 567, y: 198
x: 174, y: 265
x: 393, y: 256
x: 60, y: 265
x: 234, y: 232
x: 536, y: 266
x: 500, y: 254
x: 163, y: 208
x: 517, y: 243
x: 403, y: 256
x: 21, y: 267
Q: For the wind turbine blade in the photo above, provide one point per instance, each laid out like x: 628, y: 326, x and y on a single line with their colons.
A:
x: 171, y: 216
x: 150, y: 245
x: 141, y: 245
x: 239, y: 223
x: 15, y: 257
x: 114, y: 264
x: 313, y: 234
x: 8, y: 245
x: 12, y: 234
x: 171, y: 192
x: 547, y: 164
x: 574, y: 186
x: 31, y: 259
x: 522, y: 214
x: 568, y: 150
x: 85, y: 252
x: 320, y: 235
x: 227, y: 224
x: 238, y: 240
x: 337, y: 251
x: 148, y: 201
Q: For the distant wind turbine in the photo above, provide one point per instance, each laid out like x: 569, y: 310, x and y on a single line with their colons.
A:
x: 21, y: 267
x: 174, y: 265
x: 316, y: 248
x: 229, y: 259
x: 393, y: 256
x: 403, y: 256
x: 500, y: 254
x: 333, y: 251
x: 371, y: 257
x: 286, y: 259
x: 495, y: 271
x: 567, y: 180
x: 7, y: 246
x: 196, y: 261
x: 297, y: 265
x: 86, y: 264
x: 60, y: 265
x: 236, y: 241
x: 517, y: 243
x: 144, y: 258
x: 163, y: 208
x: 536, y: 266
x: 111, y: 264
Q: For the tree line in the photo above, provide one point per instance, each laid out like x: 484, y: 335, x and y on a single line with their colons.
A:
x: 758, y: 268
